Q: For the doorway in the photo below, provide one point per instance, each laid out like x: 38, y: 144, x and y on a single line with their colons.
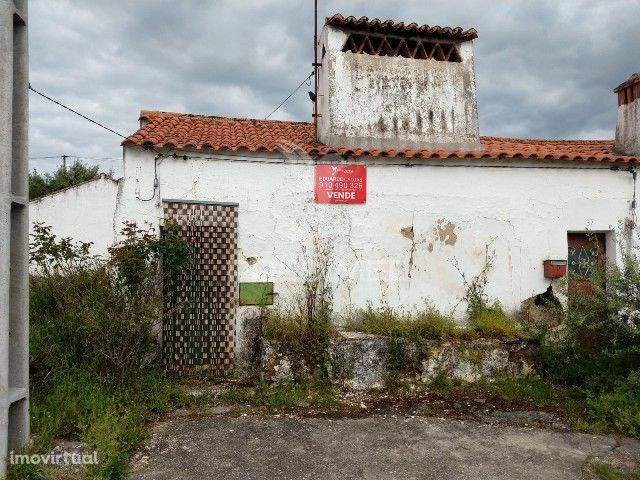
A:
x: 586, y: 260
x: 198, y: 333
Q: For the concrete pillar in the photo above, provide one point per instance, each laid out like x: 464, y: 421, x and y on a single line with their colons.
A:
x: 14, y: 222
x: 6, y: 129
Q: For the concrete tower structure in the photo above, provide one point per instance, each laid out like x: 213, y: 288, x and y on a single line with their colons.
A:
x: 387, y: 85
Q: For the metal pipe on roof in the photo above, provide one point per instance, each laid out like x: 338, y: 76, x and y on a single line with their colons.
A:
x: 315, y: 69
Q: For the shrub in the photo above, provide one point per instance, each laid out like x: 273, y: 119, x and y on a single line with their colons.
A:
x: 98, y: 313
x: 475, y: 296
x: 599, y: 341
x: 618, y: 407
x: 597, y: 348
x: 91, y: 345
x: 305, y: 342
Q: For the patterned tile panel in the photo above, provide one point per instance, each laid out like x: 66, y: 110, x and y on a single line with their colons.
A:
x: 199, y: 334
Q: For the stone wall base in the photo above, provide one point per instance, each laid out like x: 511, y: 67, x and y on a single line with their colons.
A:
x: 359, y: 361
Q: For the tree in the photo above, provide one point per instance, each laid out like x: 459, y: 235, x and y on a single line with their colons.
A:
x: 63, y: 177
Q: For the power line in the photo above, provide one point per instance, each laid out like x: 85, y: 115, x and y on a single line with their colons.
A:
x: 73, y: 111
x: 78, y: 157
x: 289, y: 96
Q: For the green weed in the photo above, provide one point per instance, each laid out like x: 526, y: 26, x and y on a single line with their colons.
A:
x: 426, y: 324
x: 444, y: 383
x: 282, y: 395
x: 604, y: 471
x: 618, y: 407
x: 532, y: 389
x: 491, y: 321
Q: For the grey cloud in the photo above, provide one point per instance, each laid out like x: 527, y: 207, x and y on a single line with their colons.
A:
x: 544, y: 68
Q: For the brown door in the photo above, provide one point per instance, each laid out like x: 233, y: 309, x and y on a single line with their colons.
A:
x: 586, y: 260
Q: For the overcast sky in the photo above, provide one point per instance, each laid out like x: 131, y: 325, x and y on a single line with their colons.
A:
x: 544, y: 69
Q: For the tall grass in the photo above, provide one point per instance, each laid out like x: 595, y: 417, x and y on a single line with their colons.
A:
x: 492, y: 321
x: 425, y: 324
x: 429, y: 324
x: 304, y: 327
x: 92, y: 350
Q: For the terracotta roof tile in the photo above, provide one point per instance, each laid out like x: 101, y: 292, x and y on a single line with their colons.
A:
x: 196, y: 132
x: 400, y: 28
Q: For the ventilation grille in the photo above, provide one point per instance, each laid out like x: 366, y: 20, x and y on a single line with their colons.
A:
x: 390, y: 46
x: 628, y: 94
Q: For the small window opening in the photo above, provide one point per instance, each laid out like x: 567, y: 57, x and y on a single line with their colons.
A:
x: 393, y: 46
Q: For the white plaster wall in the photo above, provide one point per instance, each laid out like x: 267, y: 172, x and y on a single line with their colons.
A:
x: 523, y: 214
x: 84, y: 213
x: 628, y: 129
x: 370, y: 101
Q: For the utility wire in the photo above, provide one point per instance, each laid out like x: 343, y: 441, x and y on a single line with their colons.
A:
x: 78, y: 157
x: 290, y: 95
x: 73, y: 111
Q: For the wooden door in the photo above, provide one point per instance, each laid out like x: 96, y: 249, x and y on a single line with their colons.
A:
x: 586, y: 260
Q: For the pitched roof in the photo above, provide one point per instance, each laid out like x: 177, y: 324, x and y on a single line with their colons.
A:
x: 197, y: 132
x: 400, y: 28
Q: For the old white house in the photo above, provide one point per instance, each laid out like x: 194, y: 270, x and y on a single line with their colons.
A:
x: 398, y: 180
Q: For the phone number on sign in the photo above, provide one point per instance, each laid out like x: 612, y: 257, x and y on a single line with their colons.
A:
x: 340, y: 185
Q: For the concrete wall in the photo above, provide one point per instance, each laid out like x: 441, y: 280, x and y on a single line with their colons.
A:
x: 14, y: 251
x: 402, y: 245
x: 370, y: 101
x: 84, y: 212
x: 628, y: 129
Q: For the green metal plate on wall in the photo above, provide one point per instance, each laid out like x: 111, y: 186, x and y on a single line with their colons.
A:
x: 256, y: 293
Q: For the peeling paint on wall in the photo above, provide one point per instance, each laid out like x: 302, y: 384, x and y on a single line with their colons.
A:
x: 408, y: 232
x: 445, y: 232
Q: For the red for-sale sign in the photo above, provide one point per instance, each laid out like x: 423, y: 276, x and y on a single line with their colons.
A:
x: 341, y: 184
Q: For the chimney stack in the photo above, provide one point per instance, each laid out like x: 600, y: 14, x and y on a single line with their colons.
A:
x: 387, y: 85
x: 628, y: 124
